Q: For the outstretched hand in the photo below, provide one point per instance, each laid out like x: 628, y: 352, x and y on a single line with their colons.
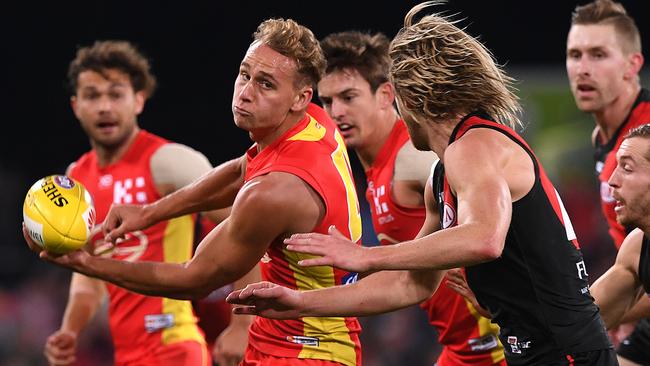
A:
x: 456, y: 281
x: 334, y: 250
x: 74, y: 260
x: 268, y: 300
x: 123, y: 219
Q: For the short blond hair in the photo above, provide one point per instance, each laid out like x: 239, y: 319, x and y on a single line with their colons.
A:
x: 296, y: 42
x: 440, y: 71
x: 608, y: 12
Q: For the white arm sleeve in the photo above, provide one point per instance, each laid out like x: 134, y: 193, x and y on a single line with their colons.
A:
x: 413, y: 164
x: 178, y: 165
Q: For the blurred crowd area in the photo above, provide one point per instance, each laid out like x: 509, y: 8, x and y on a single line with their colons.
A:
x: 33, y: 293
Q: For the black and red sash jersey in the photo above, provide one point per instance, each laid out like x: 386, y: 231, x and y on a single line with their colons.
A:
x: 537, y: 290
x: 605, y: 156
x: 644, y: 263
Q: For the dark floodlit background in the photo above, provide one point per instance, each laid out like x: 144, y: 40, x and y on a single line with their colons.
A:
x: 195, y: 49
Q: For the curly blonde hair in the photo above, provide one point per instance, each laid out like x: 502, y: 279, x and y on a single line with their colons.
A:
x: 440, y: 71
x: 296, y: 42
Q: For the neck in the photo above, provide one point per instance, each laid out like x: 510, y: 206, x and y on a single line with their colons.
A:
x: 265, y: 137
x: 610, y: 118
x: 440, y: 133
x: 382, y: 127
x: 107, y: 155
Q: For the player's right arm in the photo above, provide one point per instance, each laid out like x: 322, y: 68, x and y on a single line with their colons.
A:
x: 85, y: 297
x: 619, y: 288
x: 365, y: 297
x: 215, y: 190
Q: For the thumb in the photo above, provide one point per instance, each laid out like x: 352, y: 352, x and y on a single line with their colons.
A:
x: 332, y: 230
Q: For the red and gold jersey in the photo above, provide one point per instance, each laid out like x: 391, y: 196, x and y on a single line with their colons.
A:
x: 467, y: 337
x: 140, y: 324
x: 606, y: 163
x: 392, y: 222
x: 314, y: 151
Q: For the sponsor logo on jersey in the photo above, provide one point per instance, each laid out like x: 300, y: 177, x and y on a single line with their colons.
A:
x: 582, y: 270
x: 156, y: 322
x: 485, y: 343
x: 448, y: 216
x: 106, y: 181
x: 307, y: 341
x: 516, y: 346
x: 266, y: 258
x: 349, y: 278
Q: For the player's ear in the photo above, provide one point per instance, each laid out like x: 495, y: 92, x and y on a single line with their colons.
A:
x: 635, y: 63
x: 302, y: 98
x: 385, y: 95
x: 73, y: 104
x: 140, y: 98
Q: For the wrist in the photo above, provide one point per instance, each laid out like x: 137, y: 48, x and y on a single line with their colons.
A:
x: 149, y: 214
x: 370, y: 259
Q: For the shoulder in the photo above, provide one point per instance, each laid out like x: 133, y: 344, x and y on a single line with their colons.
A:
x: 630, y: 250
x: 273, y: 191
x: 277, y: 198
x: 177, y: 165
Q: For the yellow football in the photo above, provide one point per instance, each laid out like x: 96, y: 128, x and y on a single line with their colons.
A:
x: 59, y: 214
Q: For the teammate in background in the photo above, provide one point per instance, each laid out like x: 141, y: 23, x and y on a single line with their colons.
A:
x: 500, y: 216
x: 620, y: 288
x: 110, y: 82
x: 603, y: 63
x: 357, y: 94
x: 295, y: 178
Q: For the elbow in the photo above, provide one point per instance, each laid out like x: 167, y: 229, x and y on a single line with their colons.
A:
x: 491, y: 247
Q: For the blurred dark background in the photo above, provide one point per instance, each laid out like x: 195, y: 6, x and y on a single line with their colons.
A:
x: 195, y: 49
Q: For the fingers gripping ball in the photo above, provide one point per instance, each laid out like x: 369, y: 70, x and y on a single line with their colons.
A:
x: 59, y: 214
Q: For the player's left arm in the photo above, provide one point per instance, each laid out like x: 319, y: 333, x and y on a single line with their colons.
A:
x: 265, y: 209
x: 411, y: 175
x: 480, y: 171
x: 616, y: 291
x: 174, y: 166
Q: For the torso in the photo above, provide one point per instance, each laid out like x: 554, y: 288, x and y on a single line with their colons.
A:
x: 537, y: 290
x: 139, y: 323
x: 605, y: 156
x: 314, y: 151
x: 467, y: 338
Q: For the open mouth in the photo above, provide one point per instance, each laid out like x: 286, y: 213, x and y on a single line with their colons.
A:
x: 345, y: 127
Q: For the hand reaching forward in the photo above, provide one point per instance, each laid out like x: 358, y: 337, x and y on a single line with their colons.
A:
x: 456, y: 281
x: 123, y: 219
x: 335, y: 250
x: 75, y: 260
x: 268, y: 300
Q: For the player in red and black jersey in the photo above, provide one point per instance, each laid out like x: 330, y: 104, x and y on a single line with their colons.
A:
x: 603, y: 63
x: 620, y: 288
x: 357, y: 94
x: 501, y: 218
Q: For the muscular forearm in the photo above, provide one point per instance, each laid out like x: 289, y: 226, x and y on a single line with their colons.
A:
x: 215, y: 190
x: 451, y: 248
x: 378, y: 293
x: 172, y: 280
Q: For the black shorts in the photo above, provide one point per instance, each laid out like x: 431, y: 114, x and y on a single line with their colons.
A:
x: 636, y: 347
x: 603, y: 357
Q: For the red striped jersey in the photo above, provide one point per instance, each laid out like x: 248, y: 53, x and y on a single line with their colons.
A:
x: 605, y: 155
x: 467, y: 337
x: 537, y: 290
x: 140, y: 324
x: 314, y: 151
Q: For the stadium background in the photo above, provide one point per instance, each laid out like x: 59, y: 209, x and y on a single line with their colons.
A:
x: 195, y: 49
